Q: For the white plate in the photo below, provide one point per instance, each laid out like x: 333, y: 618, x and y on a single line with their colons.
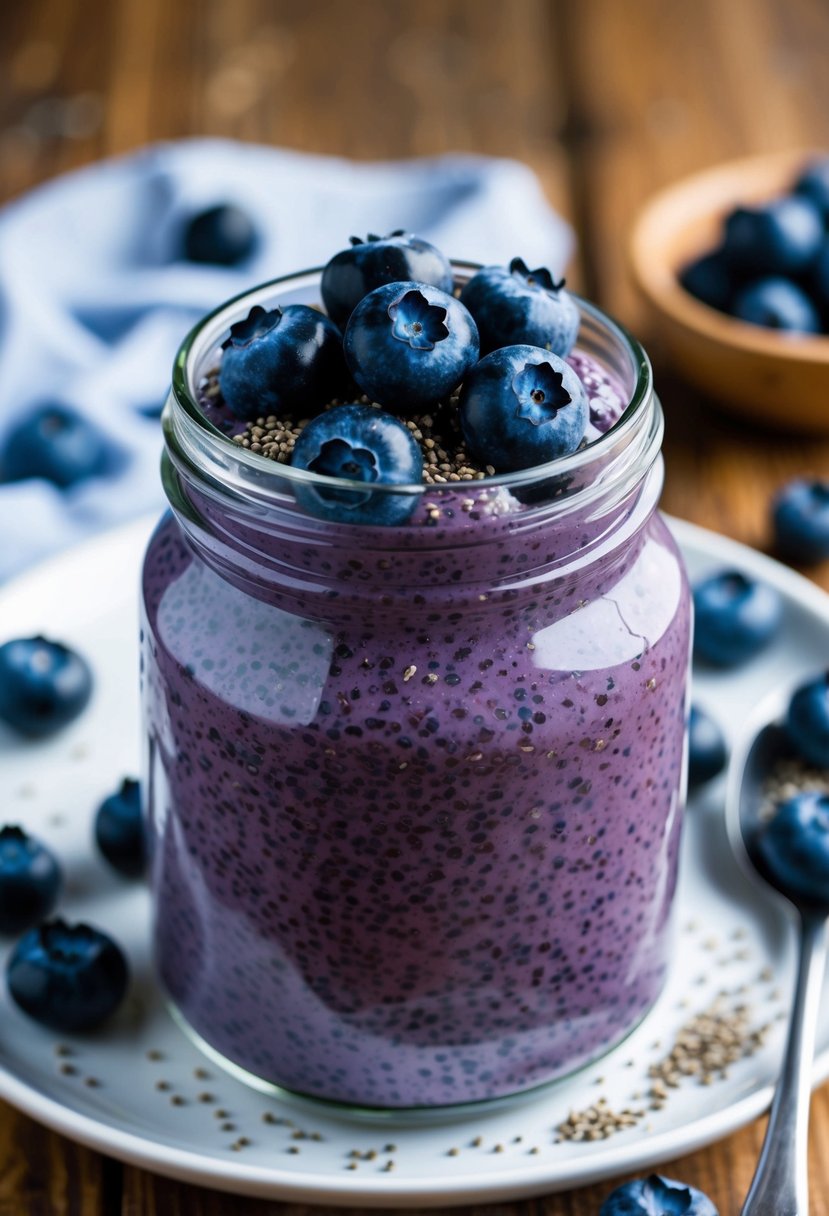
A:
x: 141, y: 1091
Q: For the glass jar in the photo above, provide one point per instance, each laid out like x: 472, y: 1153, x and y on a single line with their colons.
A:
x: 414, y: 792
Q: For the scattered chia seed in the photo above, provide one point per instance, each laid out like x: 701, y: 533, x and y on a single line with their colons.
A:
x: 789, y: 778
x: 68, y: 1070
x: 205, y: 1097
x: 162, y: 1085
x: 177, y: 1100
x: 154, y: 1054
x: 92, y: 1082
x: 62, y: 1050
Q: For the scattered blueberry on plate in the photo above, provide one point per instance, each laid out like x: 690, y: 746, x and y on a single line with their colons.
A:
x: 707, y: 750
x: 44, y: 685
x: 522, y: 406
x: 368, y: 264
x: 807, y: 720
x: 657, y: 1196
x: 734, y: 618
x: 56, y: 444
x: 358, y: 443
x: 281, y: 360
x: 800, y: 521
x: 516, y: 306
x: 30, y: 880
x: 794, y: 845
x: 409, y: 345
x: 68, y: 977
x: 119, y: 830
x: 223, y: 235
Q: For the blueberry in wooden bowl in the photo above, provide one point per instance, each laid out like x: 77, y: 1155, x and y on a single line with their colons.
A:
x: 721, y: 243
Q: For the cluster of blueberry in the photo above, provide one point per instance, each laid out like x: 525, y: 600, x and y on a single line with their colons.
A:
x: 771, y: 267
x: 69, y: 977
x: 395, y: 330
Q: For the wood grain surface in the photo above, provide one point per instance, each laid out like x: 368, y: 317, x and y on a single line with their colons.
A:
x: 606, y: 99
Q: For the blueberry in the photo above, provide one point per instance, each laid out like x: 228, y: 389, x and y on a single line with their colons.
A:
x: 522, y: 406
x: 57, y: 444
x: 734, y: 618
x: 657, y: 1196
x: 30, y: 880
x: 710, y: 279
x: 776, y: 303
x: 794, y: 846
x: 807, y: 720
x: 818, y: 279
x: 515, y: 306
x: 779, y: 237
x: 43, y: 685
x: 223, y: 235
x: 285, y: 361
x: 408, y: 345
x: 67, y: 977
x: 707, y: 753
x: 813, y: 184
x: 800, y: 520
x: 352, y: 273
x: 119, y: 830
x: 358, y: 443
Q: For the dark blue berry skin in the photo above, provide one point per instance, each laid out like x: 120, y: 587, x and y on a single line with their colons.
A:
x: 777, y: 238
x: 408, y: 345
x: 734, y: 618
x: 400, y: 257
x: 776, y: 303
x: 515, y: 306
x: 224, y: 235
x: 43, y: 685
x: 813, y: 184
x: 521, y: 407
x: 818, y: 281
x: 707, y: 751
x: 807, y: 720
x: 30, y: 880
x: 119, y: 830
x: 358, y: 443
x: 800, y: 521
x: 710, y: 279
x: 794, y: 846
x: 68, y: 977
x: 657, y: 1196
x: 58, y: 445
x: 288, y: 362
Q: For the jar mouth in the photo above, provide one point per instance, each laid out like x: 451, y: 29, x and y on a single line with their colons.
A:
x: 207, y: 335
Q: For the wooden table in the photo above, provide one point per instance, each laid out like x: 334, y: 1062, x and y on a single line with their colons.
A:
x: 606, y: 99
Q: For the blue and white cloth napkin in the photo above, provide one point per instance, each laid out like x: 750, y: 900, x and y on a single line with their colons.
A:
x: 95, y: 299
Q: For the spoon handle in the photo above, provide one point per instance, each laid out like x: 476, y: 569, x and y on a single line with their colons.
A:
x: 780, y: 1186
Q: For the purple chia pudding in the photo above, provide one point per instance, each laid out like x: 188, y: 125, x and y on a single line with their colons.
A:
x: 415, y: 792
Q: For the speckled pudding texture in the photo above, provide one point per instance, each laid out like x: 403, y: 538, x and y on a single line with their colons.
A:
x: 415, y: 791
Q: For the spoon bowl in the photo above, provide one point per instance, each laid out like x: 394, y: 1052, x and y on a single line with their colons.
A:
x: 780, y: 1184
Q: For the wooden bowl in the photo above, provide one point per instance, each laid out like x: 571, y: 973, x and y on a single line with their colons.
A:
x: 779, y: 378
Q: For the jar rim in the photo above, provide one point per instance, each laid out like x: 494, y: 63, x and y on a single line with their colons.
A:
x: 205, y: 335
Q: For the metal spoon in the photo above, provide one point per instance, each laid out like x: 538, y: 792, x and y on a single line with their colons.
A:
x: 780, y: 1186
